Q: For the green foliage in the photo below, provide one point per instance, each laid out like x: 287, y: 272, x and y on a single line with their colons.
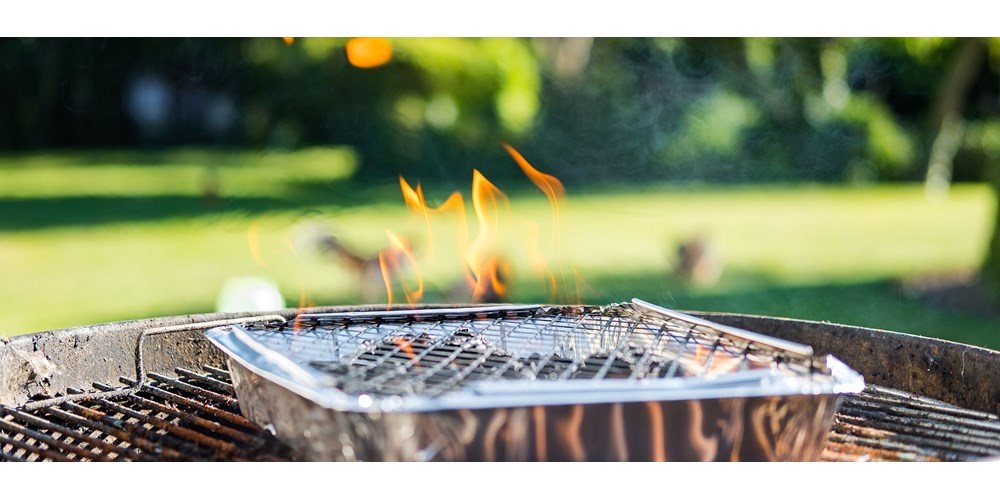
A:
x: 731, y: 110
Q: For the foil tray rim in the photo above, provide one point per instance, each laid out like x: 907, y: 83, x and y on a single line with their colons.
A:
x: 308, y: 382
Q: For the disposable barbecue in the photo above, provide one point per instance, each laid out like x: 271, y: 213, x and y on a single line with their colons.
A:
x: 630, y: 381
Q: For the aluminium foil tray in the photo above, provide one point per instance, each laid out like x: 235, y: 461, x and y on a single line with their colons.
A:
x: 629, y: 381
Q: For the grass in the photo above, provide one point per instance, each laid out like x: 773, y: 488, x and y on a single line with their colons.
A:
x: 91, y: 237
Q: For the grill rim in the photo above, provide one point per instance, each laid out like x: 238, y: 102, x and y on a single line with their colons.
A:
x: 977, y: 387
x: 847, y: 342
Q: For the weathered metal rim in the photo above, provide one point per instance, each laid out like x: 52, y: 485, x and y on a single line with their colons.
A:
x: 50, y: 361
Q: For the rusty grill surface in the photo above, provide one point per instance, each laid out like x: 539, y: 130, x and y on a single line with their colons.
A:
x: 883, y: 424
x: 189, y: 416
x: 195, y: 416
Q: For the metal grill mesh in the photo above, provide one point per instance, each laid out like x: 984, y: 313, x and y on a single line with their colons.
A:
x: 191, y: 416
x: 432, y: 354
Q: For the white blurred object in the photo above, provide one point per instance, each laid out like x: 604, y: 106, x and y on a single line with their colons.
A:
x: 249, y: 294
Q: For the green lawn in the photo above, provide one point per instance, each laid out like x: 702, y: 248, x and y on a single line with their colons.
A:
x: 88, y: 238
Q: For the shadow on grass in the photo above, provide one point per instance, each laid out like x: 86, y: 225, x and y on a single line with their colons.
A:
x: 44, y: 213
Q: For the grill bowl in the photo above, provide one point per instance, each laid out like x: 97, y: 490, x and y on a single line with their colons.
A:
x: 925, y: 399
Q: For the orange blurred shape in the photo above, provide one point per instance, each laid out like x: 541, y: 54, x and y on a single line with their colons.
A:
x: 391, y: 261
x: 414, y: 198
x: 491, y: 283
x: 303, y: 304
x: 383, y: 265
x: 486, y: 199
x: 253, y: 240
x: 368, y: 52
x: 549, y: 185
x: 288, y: 39
x: 405, y: 346
x: 416, y: 202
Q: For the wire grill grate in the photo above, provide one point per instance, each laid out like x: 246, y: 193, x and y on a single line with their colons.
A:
x: 429, y: 354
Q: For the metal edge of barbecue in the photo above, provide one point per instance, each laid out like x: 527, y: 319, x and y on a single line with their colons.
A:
x: 312, y: 384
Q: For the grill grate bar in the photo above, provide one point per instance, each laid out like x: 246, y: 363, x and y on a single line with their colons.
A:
x: 413, y: 358
x: 606, y: 367
x: 432, y: 371
x: 136, y: 427
x: 230, y: 417
x: 51, y: 426
x: 394, y: 333
x: 644, y: 366
x: 214, y: 384
x: 29, y: 450
x: 675, y: 364
x: 158, y: 422
x: 499, y: 372
x: 218, y: 373
x: 883, y: 418
x: 847, y: 447
x: 898, y: 450
x: 126, y: 432
x: 139, y: 430
x: 227, y: 400
x: 930, y: 420
x: 574, y: 366
x: 887, y: 395
x: 6, y: 457
x: 914, y: 432
x: 71, y: 450
x: 209, y: 425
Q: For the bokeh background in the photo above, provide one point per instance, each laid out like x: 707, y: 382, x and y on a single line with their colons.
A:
x: 845, y: 180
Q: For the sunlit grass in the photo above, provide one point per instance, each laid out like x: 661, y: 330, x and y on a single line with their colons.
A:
x: 822, y: 253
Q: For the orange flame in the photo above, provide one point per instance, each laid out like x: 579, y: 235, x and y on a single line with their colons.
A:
x: 288, y: 40
x: 490, y: 283
x: 486, y: 201
x: 405, y: 346
x: 368, y: 52
x: 549, y: 185
x: 383, y: 265
x: 391, y: 260
x: 303, y: 304
x: 416, y: 202
x: 554, y: 191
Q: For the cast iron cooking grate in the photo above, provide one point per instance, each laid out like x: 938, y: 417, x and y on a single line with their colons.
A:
x: 188, y: 416
x: 204, y: 423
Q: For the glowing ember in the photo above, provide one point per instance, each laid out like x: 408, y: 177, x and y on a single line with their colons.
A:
x: 368, y: 52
